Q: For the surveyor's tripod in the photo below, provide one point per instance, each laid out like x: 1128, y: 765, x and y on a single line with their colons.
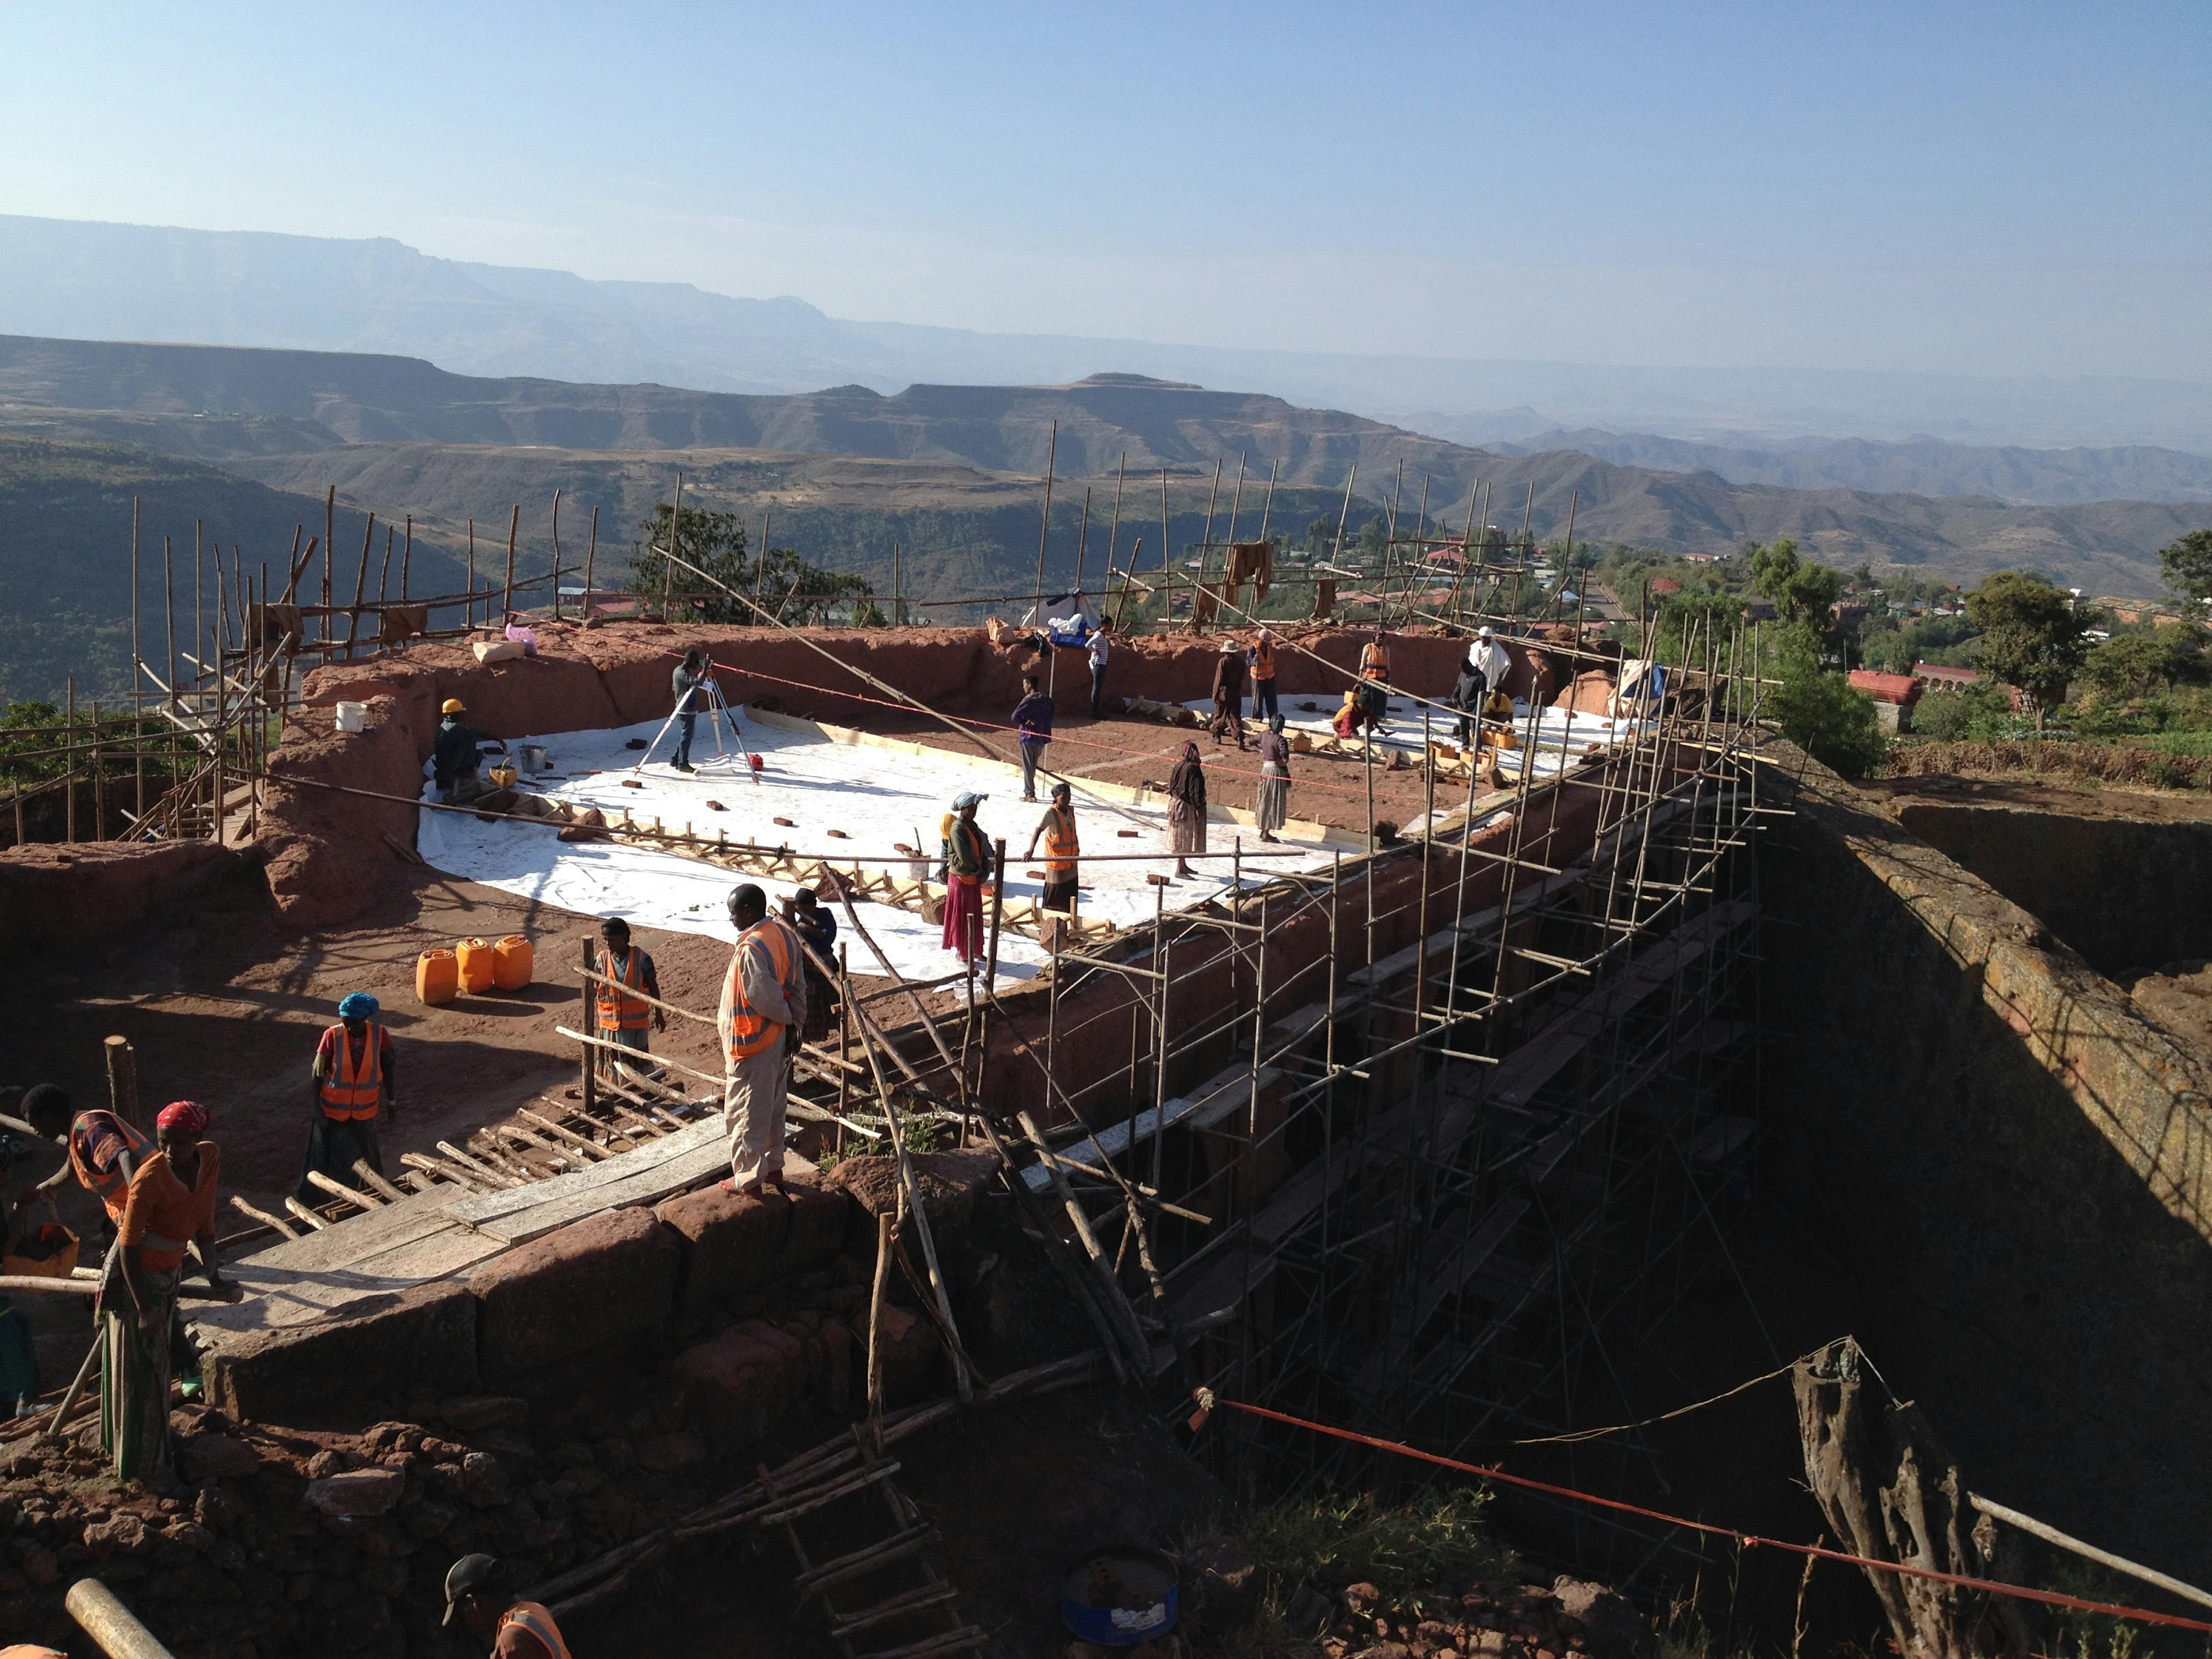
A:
x: 717, y: 710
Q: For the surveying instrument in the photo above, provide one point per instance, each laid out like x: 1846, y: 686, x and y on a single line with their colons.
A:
x: 716, y: 711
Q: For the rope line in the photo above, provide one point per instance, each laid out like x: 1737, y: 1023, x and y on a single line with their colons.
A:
x: 1744, y: 1539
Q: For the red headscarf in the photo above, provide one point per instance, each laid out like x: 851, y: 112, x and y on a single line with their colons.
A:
x: 186, y: 1114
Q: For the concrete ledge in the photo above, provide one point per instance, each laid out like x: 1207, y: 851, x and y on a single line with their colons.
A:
x: 417, y: 1341
x: 594, y: 1289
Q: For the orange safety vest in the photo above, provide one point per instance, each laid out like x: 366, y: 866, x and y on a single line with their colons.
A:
x: 618, y: 1012
x: 1059, y: 842
x: 752, y: 1032
x: 539, y: 1623
x: 111, y: 1188
x: 1375, y: 661
x: 352, y: 1092
x: 1263, y: 661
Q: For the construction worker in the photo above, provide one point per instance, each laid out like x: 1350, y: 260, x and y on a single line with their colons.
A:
x: 621, y: 1016
x: 967, y: 866
x: 476, y: 1590
x: 103, y: 1151
x: 763, y: 1002
x: 1101, y: 648
x: 1032, y: 722
x: 684, y: 684
x: 171, y: 1208
x: 354, y: 1078
x: 1375, y: 679
x: 1062, y: 848
x: 455, y: 754
x: 1262, y: 656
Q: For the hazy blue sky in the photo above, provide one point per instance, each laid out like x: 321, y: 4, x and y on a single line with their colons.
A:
x: 1999, y: 189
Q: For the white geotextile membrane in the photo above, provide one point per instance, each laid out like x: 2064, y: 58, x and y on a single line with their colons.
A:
x: 878, y: 797
x: 1562, y: 736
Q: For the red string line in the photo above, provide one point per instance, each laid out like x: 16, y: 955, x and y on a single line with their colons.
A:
x: 1747, y: 1540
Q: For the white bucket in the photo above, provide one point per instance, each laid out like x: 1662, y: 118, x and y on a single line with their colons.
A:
x: 352, y: 716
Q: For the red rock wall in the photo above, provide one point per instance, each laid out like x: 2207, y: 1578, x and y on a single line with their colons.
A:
x: 68, y: 896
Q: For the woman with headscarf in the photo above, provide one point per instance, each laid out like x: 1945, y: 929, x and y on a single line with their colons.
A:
x: 1187, y: 806
x: 171, y: 1207
x: 1274, y: 778
x: 967, y: 865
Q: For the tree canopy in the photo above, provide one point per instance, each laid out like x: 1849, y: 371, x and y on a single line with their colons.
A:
x: 715, y: 541
x: 1801, y: 590
x: 2186, y: 564
x: 2034, y: 637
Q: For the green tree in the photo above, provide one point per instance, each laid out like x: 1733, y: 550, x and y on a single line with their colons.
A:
x: 1819, y: 711
x: 2034, y: 638
x: 2186, y: 564
x: 1801, y: 590
x: 2135, y: 665
x: 785, y: 584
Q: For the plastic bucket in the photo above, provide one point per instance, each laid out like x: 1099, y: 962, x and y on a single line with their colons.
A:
x: 352, y: 716
x: 1121, y: 1596
x: 479, y: 970
x: 437, y: 976
x: 512, y: 962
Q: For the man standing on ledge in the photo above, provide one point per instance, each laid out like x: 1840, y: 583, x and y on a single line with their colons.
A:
x: 1101, y: 646
x: 763, y: 1004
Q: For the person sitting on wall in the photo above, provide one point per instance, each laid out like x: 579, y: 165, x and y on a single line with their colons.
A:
x: 457, y: 752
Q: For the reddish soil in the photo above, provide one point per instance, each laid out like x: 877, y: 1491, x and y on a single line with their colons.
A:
x: 2145, y: 806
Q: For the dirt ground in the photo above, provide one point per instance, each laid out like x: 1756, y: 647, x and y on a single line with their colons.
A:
x: 2102, y: 801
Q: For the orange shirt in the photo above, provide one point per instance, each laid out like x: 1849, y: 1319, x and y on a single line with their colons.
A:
x: 162, y: 1216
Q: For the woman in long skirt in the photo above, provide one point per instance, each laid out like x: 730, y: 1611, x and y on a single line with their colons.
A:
x: 1274, y: 778
x: 1187, y: 806
x: 967, y: 865
x: 172, y: 1205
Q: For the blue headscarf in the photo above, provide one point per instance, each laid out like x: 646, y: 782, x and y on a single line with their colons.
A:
x: 359, y: 1006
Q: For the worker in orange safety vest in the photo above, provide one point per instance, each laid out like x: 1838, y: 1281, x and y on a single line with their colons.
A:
x: 621, y: 1013
x: 763, y: 1004
x: 476, y: 1593
x: 1062, y: 847
x: 354, y: 1079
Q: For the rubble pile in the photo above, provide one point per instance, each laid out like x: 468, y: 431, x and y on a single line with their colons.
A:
x: 1571, y: 1619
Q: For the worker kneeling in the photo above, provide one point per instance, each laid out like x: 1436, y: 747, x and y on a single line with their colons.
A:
x: 354, y: 1078
x: 764, y: 1006
x: 456, y: 753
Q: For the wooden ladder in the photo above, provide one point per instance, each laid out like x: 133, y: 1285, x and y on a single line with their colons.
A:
x: 853, y: 1603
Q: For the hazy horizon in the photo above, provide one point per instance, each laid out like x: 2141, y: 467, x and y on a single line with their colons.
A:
x: 1985, y: 193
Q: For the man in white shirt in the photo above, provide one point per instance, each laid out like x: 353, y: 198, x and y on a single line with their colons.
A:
x: 1101, y: 646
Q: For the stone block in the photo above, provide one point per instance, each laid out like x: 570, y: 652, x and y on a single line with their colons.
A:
x: 817, y: 1228
x: 950, y: 1184
x: 731, y: 1243
x: 738, y: 1386
x: 587, y: 1293
x: 419, y: 1339
x: 356, y: 1493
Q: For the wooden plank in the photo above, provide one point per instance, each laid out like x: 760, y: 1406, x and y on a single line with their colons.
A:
x: 480, y: 1208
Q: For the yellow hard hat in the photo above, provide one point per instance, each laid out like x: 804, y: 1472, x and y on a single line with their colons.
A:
x: 452, y: 706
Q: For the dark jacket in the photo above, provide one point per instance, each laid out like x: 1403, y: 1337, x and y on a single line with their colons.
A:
x: 683, y: 685
x: 1227, y: 677
x: 1033, y: 718
x: 1469, y: 688
x: 457, y: 749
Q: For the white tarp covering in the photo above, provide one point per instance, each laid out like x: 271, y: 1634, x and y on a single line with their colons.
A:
x: 1560, y: 739
x: 878, y: 797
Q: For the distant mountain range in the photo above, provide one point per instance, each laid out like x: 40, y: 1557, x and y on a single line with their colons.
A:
x: 65, y: 278
x: 1921, y: 465
x: 446, y: 446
